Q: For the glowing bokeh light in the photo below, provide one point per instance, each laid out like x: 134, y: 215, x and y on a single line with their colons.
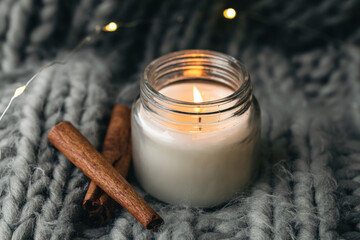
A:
x: 229, y: 13
x: 111, y: 27
x: 19, y: 91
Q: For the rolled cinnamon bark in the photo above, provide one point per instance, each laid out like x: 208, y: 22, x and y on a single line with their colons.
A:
x: 68, y: 140
x: 117, y: 151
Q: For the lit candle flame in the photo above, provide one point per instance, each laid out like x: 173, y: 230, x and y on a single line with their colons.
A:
x: 111, y: 27
x: 229, y: 13
x: 197, y: 98
x: 197, y: 95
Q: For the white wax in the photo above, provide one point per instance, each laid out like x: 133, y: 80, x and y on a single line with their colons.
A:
x: 202, y: 168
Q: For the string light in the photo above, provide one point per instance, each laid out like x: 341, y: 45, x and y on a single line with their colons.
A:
x: 21, y: 90
x: 110, y: 27
x: 229, y: 13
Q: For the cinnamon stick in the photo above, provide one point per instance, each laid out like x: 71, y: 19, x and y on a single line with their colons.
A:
x: 117, y: 151
x: 68, y: 140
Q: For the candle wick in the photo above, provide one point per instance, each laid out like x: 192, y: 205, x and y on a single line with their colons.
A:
x: 200, y: 122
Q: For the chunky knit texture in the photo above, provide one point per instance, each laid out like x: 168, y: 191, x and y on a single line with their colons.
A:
x: 304, y: 59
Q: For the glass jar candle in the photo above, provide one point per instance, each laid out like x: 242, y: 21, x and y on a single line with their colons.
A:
x: 195, y: 128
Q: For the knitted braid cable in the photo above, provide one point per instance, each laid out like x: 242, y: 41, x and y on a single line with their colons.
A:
x: 16, y: 34
x: 78, y: 95
x: 41, y: 174
x: 324, y: 184
x: 58, y: 170
x: 81, y: 15
x: 283, y: 220
x: 94, y: 104
x: 46, y: 27
x: 30, y: 129
x: 5, y: 7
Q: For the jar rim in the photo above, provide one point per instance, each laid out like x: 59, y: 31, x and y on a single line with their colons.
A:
x: 197, y: 53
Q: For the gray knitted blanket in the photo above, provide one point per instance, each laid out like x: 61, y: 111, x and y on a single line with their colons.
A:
x: 304, y: 58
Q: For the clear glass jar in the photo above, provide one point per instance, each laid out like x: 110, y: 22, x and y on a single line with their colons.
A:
x: 190, y: 151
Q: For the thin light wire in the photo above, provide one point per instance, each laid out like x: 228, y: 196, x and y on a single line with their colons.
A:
x: 21, y: 89
x: 111, y: 27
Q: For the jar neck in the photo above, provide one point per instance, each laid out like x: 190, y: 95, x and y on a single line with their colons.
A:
x: 204, y: 66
